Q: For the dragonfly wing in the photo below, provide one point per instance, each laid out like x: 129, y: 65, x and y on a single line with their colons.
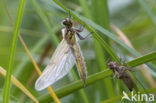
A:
x: 61, y: 63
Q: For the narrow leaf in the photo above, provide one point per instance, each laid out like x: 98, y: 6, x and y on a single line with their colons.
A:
x: 12, y: 51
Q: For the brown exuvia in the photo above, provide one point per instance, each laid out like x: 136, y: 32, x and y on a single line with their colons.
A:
x: 120, y: 73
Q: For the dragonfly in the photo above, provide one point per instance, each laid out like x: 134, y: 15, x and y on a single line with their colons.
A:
x: 65, y: 56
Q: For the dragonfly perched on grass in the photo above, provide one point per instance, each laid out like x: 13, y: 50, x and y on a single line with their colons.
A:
x: 65, y: 56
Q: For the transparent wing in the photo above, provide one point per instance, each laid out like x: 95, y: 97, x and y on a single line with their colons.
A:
x: 60, y: 64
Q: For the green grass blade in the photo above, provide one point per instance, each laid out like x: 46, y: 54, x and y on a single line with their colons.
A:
x: 148, y: 10
x: 45, y: 21
x: 12, y: 51
x: 100, y: 10
x: 20, y: 67
x: 144, y: 59
x: 70, y: 88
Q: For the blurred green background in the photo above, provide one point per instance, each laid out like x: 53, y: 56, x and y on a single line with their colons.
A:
x: 130, y: 16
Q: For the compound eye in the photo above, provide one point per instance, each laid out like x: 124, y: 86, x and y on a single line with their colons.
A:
x: 65, y: 22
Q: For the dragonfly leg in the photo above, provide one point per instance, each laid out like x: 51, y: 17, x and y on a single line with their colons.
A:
x: 82, y: 38
x: 81, y: 28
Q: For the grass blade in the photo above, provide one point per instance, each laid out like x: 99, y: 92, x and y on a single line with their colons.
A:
x: 12, y: 51
x: 19, y: 85
x: 100, y: 9
x: 144, y: 59
x: 37, y: 68
x: 33, y: 61
x: 70, y: 88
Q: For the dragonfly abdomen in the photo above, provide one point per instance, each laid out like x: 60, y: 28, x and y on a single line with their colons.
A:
x: 79, y: 61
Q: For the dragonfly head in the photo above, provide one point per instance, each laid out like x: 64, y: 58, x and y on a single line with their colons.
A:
x: 67, y: 22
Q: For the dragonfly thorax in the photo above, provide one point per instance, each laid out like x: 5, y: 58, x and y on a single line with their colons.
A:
x: 69, y: 36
